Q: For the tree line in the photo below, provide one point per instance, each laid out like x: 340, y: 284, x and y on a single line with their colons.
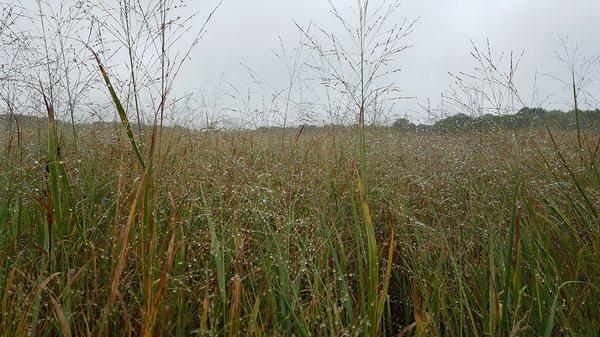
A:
x: 523, y: 119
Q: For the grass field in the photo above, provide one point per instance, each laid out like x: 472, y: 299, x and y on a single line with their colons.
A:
x: 272, y: 234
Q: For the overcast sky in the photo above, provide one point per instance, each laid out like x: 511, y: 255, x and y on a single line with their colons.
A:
x: 245, y: 32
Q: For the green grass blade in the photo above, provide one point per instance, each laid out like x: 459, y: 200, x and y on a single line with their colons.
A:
x: 121, y: 111
x: 552, y: 314
x: 372, y: 261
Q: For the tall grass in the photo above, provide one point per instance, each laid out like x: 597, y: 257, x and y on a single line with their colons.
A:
x: 475, y: 234
x: 365, y: 232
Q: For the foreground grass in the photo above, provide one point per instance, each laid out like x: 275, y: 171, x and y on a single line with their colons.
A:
x: 250, y: 234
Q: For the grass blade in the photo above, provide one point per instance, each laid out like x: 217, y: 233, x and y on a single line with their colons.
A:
x: 372, y: 263
x: 120, y: 110
x: 552, y: 314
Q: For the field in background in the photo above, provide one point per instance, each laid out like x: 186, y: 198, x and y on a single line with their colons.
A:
x: 248, y: 234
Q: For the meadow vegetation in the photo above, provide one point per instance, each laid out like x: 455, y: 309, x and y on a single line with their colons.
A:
x: 477, y: 234
x: 484, y: 226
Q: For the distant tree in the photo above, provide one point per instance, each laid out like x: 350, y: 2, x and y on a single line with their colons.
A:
x: 403, y: 124
x: 458, y: 122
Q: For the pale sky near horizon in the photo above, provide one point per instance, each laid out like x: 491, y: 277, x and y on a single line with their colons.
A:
x: 245, y: 31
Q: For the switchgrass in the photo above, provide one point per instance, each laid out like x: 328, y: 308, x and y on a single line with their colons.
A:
x: 229, y: 233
